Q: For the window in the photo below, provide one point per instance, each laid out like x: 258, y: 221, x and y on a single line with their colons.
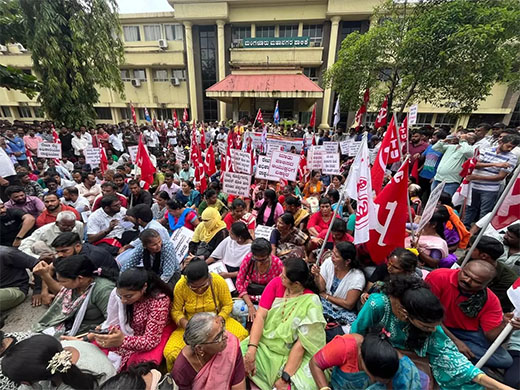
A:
x: 515, y: 117
x: 265, y: 31
x: 208, y: 38
x: 164, y: 113
x: 125, y: 75
x: 311, y: 73
x: 370, y: 118
x: 103, y: 112
x: 131, y: 33
x: 5, y: 111
x: 179, y: 73
x: 140, y: 74
x: 314, y: 32
x: 288, y: 31
x: 160, y: 75
x: 348, y: 27
x: 25, y: 112
x: 424, y: 119
x: 173, y: 32
x: 446, y: 119
x: 39, y: 112
x: 126, y: 113
x: 240, y: 32
x: 152, y: 32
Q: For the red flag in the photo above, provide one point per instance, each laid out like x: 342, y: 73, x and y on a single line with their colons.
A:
x: 209, y: 164
x: 202, y: 139
x: 381, y: 117
x: 415, y: 170
x: 175, y: 119
x: 388, y: 153
x: 142, y: 160
x: 392, y: 214
x: 403, y: 133
x: 228, y: 166
x: 359, y: 114
x: 185, y: 117
x: 312, y: 121
x: 56, y: 139
x: 134, y: 117
x: 103, y: 164
x: 303, y: 169
x: 509, y: 210
x: 259, y: 118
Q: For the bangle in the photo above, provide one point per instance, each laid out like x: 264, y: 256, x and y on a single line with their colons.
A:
x: 252, y: 345
x: 325, y: 388
x: 478, y: 378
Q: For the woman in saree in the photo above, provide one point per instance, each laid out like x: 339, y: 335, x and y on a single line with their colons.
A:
x: 286, y: 239
x: 81, y: 304
x: 412, y: 315
x: 288, y: 330
x: 188, y: 195
x: 368, y: 362
x: 211, y: 357
x: 207, y: 235
x: 178, y: 215
x: 199, y: 291
x: 314, y: 187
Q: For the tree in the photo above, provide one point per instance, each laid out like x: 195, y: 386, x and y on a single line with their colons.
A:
x: 446, y: 52
x: 75, y: 47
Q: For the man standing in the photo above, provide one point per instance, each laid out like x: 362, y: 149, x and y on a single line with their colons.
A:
x: 66, y: 143
x: 14, y: 225
x: 79, y: 143
x: 31, y: 142
x: 19, y: 200
x: 416, y: 147
x: 52, y: 208
x: 493, y: 166
x: 17, y: 146
x: 431, y: 159
x: 138, y: 195
x: 482, y: 141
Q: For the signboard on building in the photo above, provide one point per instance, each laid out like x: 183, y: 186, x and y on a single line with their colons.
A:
x: 276, y: 42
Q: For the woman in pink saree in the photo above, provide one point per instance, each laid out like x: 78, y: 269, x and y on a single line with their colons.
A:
x: 211, y: 357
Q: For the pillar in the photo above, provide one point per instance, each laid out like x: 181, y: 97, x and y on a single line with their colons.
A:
x: 191, y: 71
x: 149, y: 86
x: 300, y: 29
x: 253, y: 30
x: 221, y: 65
x: 327, y: 95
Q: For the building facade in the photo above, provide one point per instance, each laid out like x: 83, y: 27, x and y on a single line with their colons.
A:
x: 225, y: 59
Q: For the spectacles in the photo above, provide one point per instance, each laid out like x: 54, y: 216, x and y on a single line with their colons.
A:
x: 198, y: 288
x: 218, y: 338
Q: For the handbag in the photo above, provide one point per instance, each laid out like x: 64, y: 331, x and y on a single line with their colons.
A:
x: 255, y: 289
x: 204, y: 249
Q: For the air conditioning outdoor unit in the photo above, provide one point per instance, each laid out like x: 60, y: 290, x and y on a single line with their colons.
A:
x: 136, y: 83
x: 3, y: 49
x: 175, y: 81
x: 163, y: 44
x: 21, y: 48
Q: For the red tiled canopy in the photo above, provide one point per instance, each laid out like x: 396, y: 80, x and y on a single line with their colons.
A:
x: 265, y: 83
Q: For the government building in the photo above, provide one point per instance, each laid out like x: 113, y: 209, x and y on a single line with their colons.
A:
x: 225, y: 59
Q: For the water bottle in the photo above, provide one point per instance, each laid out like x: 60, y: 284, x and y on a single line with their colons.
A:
x: 240, y: 311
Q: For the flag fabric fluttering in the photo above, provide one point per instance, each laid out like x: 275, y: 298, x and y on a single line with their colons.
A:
x: 463, y: 193
x: 264, y: 139
x: 276, y: 115
x: 509, y: 210
x: 303, y: 169
x: 175, y: 119
x: 209, y: 163
x: 391, y: 210
x: 359, y: 187
x: 103, y: 163
x: 403, y: 133
x: 259, y: 118
x: 382, y: 115
x: 362, y: 109
x: 134, y: 117
x: 312, y: 121
x: 143, y: 161
x: 55, y: 139
x: 337, y: 113
x: 147, y: 115
x: 388, y: 153
x: 185, y: 117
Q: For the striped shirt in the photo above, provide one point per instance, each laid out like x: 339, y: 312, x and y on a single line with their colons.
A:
x: 492, y: 156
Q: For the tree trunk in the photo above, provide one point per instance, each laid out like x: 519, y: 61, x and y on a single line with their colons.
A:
x: 408, y: 96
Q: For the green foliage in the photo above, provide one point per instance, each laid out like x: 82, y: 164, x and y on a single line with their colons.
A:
x: 75, y: 48
x: 13, y: 78
x: 445, y: 52
x: 11, y: 22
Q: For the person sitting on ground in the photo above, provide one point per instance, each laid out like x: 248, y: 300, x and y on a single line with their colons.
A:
x: 314, y: 186
x: 211, y: 357
x: 338, y: 233
x: 122, y: 187
x: 138, y: 195
x: 168, y: 186
x: 238, y: 212
x: 159, y: 206
x: 288, y: 330
x: 7, y: 341
x: 108, y: 188
x: 71, y: 197
x: 14, y: 225
x: 197, y: 291
x: 188, y: 195
x: 340, y: 283
x: 208, y: 234
x: 53, y: 207
x: 142, y: 217
x: 142, y: 376
x: 155, y: 255
x: 357, y: 362
x: 211, y: 200
x: 19, y: 200
x: 88, y: 187
x: 81, y: 304
x: 301, y: 216
x: 474, y: 317
x: 232, y: 250
x: 511, y: 243
x: 321, y: 219
x: 43, y: 362
x: 31, y: 188
x: 178, y: 215
x: 268, y: 209
x: 286, y: 239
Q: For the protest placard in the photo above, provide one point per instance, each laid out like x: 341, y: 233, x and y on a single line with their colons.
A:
x: 236, y: 184
x: 431, y: 205
x: 180, y: 155
x: 262, y: 169
x: 49, y: 150
x: 181, y: 240
x: 412, y: 114
x: 330, y: 164
x: 315, y: 157
x: 222, y: 147
x: 345, y: 147
x: 92, y: 156
x: 284, y: 165
x: 330, y: 146
x: 132, y: 151
x: 354, y: 147
x: 219, y: 267
x: 263, y: 231
x: 241, y: 161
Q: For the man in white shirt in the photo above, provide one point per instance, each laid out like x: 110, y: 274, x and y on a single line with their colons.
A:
x: 65, y: 163
x: 79, y: 143
x: 116, y: 140
x: 71, y: 197
x: 171, y: 135
x: 152, y: 139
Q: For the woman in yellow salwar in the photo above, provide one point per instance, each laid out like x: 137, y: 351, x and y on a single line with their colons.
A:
x: 199, y: 291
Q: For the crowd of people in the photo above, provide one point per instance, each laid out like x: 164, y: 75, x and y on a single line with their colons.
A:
x: 301, y: 307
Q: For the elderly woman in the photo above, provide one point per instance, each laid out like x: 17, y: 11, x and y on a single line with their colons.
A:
x: 208, y: 234
x: 199, y: 291
x: 288, y: 330
x: 211, y: 358
x: 340, y: 282
x: 286, y: 239
x: 178, y: 215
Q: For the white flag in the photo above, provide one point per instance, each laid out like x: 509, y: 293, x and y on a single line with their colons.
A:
x: 359, y: 187
x: 336, y: 113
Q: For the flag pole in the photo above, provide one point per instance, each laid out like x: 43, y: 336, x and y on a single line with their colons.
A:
x: 493, y: 213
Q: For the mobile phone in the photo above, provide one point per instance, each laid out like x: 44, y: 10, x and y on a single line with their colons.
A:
x: 100, y: 331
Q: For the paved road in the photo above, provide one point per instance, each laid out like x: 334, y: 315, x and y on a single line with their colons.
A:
x: 22, y: 317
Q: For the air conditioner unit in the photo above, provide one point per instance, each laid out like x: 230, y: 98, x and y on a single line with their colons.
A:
x: 163, y: 44
x: 3, y: 49
x: 175, y: 81
x: 20, y: 47
x: 136, y: 83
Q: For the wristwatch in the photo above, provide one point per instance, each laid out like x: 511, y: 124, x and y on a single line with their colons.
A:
x: 286, y: 377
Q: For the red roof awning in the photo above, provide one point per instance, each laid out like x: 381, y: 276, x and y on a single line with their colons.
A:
x: 265, y: 84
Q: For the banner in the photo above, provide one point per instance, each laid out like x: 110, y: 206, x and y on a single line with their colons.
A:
x: 181, y: 239
x: 262, y: 169
x: 236, y: 184
x: 412, y: 114
x: 330, y: 164
x: 431, y: 205
x: 180, y: 155
x: 277, y: 140
x: 284, y: 165
x: 275, y: 42
x: 92, y: 156
x: 49, y: 150
x: 132, y: 151
x: 330, y: 146
x: 241, y: 161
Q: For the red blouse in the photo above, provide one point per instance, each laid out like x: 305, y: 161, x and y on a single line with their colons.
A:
x: 249, y: 274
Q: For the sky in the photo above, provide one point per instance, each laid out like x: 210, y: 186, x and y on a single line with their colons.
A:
x: 135, y: 6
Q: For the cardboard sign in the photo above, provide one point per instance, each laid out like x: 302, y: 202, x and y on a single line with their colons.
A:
x: 241, y: 161
x: 345, y: 147
x: 132, y: 151
x: 263, y: 231
x: 262, y: 169
x: 180, y: 155
x: 315, y: 157
x: 181, y: 239
x: 222, y: 147
x: 431, y: 205
x: 277, y: 141
x: 219, y: 267
x: 49, y: 150
x: 331, y: 164
x: 354, y: 147
x: 284, y: 165
x: 236, y: 184
x: 330, y: 146
x: 412, y: 114
x: 92, y: 156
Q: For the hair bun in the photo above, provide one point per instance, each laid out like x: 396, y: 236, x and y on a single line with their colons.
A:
x: 384, y: 334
